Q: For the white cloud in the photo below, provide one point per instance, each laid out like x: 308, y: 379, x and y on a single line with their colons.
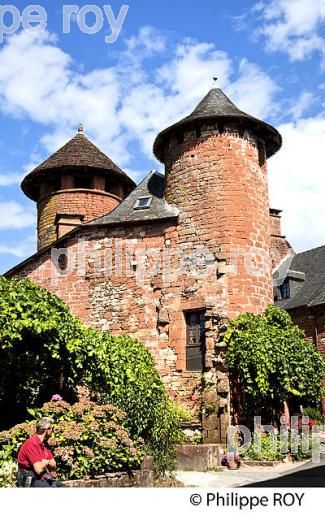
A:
x: 296, y: 176
x: 299, y: 106
x: 258, y: 101
x: 15, y: 216
x: 148, y: 41
x: 191, y: 71
x: 292, y: 26
x: 10, y: 178
x: 21, y: 249
x: 125, y: 102
x: 125, y: 105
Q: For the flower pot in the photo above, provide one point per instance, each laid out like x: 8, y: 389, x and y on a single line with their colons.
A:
x: 232, y: 464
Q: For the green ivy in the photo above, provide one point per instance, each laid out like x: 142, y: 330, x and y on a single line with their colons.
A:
x: 272, y: 357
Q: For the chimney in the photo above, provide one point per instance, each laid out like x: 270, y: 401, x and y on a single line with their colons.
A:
x: 280, y: 247
x: 275, y: 222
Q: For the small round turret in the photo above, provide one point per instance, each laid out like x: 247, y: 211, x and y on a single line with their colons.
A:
x: 76, y: 184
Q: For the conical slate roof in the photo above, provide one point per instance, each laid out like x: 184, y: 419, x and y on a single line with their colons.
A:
x: 216, y: 105
x: 78, y: 153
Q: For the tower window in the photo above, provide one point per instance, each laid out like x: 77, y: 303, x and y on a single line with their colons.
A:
x: 115, y: 189
x: 62, y: 263
x: 261, y: 153
x: 180, y: 137
x: 82, y: 183
x: 195, y: 341
x: 143, y: 203
x: 57, y: 184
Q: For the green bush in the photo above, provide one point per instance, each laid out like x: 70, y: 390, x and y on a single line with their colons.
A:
x: 314, y: 414
x: 88, y: 439
x: 271, y: 358
x: 36, y: 334
x: 271, y: 449
x: 121, y: 371
x: 45, y: 350
x: 8, y: 469
x: 164, y: 434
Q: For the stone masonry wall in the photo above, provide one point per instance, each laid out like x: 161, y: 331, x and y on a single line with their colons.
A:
x: 280, y: 247
x: 130, y: 281
x: 221, y: 189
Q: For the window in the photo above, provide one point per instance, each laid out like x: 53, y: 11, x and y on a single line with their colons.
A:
x: 285, y: 290
x: 82, y: 183
x: 180, y: 137
x: 62, y: 262
x: 261, y: 153
x: 198, y: 132
x: 195, y: 341
x: 143, y: 203
x: 57, y: 184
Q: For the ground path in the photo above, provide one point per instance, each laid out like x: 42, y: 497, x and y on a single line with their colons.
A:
x: 299, y: 474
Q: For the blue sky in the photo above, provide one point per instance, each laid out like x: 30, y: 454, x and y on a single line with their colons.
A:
x: 269, y: 56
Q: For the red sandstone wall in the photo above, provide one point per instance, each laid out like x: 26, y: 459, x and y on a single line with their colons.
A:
x: 136, y: 295
x: 222, y: 192
x: 90, y: 203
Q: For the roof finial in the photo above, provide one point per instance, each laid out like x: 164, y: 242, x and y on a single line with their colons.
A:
x: 80, y: 128
x: 215, y: 79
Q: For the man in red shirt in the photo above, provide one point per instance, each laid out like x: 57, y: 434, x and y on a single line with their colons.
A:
x: 36, y: 464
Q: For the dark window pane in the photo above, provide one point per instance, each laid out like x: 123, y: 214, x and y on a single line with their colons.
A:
x: 194, y: 361
x: 285, y: 290
x: 143, y: 203
x: 82, y: 183
x: 195, y: 340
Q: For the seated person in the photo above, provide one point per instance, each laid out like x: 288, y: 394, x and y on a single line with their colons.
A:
x: 36, y: 464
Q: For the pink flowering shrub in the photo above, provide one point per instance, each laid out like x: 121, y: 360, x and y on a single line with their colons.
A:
x: 88, y: 439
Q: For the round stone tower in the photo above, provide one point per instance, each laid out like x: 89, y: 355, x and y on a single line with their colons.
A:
x: 216, y: 174
x: 76, y: 184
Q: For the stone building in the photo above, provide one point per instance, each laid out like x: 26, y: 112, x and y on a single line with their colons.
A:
x: 299, y: 288
x: 170, y: 260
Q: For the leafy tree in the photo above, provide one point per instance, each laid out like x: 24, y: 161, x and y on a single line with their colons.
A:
x: 37, y: 334
x: 272, y: 359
